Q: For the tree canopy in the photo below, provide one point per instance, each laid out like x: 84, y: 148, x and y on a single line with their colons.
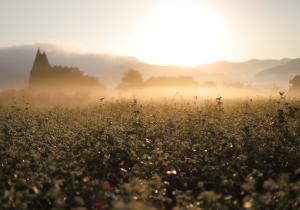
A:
x: 132, y: 79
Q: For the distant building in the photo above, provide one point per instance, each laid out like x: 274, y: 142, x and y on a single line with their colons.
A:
x: 45, y: 77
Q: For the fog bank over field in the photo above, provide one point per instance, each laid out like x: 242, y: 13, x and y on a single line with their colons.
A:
x: 16, y: 62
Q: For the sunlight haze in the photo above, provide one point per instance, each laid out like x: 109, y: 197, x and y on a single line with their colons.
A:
x: 183, y: 33
x: 149, y: 104
x: 164, y: 32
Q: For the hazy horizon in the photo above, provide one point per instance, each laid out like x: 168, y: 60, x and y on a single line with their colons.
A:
x: 191, y: 34
x: 50, y: 46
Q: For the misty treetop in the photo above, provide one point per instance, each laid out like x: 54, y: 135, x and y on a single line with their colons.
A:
x: 181, y: 81
x: 133, y: 79
x: 43, y: 77
x: 295, y: 85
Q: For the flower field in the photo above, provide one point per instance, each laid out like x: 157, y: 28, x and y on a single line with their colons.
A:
x: 170, y: 154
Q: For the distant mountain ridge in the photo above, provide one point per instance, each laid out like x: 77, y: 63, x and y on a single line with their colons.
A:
x: 240, y: 71
x: 16, y: 63
x: 280, y: 73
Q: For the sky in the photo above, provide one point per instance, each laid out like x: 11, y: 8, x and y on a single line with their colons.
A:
x: 165, y: 32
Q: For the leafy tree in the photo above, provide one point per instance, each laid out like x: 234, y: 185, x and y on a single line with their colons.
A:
x: 181, y: 81
x: 295, y: 85
x: 43, y: 76
x: 132, y: 79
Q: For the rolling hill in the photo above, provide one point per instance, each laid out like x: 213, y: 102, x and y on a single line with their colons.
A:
x: 280, y: 74
x: 16, y: 63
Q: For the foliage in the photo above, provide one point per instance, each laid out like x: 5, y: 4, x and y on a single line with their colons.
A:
x: 132, y: 79
x: 181, y: 81
x: 295, y: 85
x: 130, y: 154
x: 44, y: 77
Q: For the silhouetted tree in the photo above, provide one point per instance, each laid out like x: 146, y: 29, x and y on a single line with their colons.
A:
x: 45, y: 77
x: 40, y: 69
x: 209, y: 84
x: 179, y: 82
x: 132, y: 79
x: 295, y: 85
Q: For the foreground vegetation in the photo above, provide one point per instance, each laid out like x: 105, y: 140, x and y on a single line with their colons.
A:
x: 129, y: 154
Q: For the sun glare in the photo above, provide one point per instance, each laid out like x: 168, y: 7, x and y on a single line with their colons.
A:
x: 182, y: 33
